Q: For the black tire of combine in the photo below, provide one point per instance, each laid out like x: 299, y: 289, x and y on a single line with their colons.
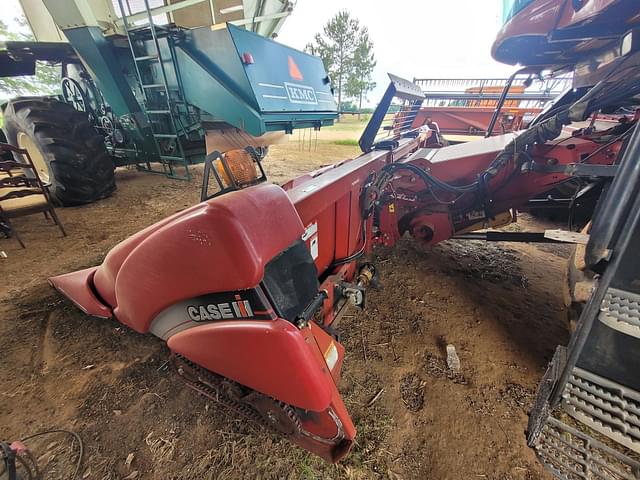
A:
x: 80, y: 168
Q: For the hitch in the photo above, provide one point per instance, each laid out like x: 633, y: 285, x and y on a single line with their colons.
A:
x: 356, y: 293
x: 307, y: 314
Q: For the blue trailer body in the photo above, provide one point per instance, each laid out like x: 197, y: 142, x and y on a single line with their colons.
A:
x: 253, y: 83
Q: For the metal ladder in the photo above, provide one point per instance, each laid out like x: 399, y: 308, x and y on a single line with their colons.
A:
x: 174, y: 166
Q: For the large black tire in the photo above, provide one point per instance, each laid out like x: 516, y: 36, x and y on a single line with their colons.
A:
x: 74, y: 159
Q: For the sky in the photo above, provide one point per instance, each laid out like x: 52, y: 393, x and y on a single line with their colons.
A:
x: 412, y: 38
x: 10, y: 10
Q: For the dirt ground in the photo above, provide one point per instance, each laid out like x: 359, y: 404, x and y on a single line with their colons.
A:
x: 500, y: 305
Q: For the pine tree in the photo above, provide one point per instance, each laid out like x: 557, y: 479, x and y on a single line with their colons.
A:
x: 336, y: 45
x: 359, y: 79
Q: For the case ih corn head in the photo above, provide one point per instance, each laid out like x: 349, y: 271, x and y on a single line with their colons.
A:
x: 251, y: 313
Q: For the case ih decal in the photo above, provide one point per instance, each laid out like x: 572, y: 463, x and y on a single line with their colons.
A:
x: 213, y: 307
x: 218, y: 311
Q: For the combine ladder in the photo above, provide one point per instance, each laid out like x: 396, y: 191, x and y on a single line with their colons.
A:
x: 175, y: 165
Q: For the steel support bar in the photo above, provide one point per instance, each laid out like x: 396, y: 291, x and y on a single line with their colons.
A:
x: 577, y: 169
x: 488, y: 96
x: 156, y: 11
x: 502, y: 99
x: 549, y: 202
x: 522, y: 237
x: 262, y: 18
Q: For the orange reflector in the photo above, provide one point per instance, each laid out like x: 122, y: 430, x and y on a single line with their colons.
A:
x: 241, y: 165
x: 294, y: 71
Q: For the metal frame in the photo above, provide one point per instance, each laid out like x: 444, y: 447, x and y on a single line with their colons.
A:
x: 235, y: 185
x: 168, y: 161
x: 413, y: 97
x: 122, y: 21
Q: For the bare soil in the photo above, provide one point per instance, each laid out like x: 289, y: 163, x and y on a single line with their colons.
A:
x: 500, y: 305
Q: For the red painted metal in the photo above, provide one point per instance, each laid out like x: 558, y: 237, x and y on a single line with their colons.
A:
x: 78, y: 287
x: 281, y: 361
x: 459, y: 164
x: 275, y: 358
x: 527, y: 38
x: 473, y: 120
x: 224, y: 244
x: 228, y: 243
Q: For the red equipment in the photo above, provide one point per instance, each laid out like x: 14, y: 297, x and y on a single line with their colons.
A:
x: 237, y: 311
x: 464, y: 108
x: 250, y: 313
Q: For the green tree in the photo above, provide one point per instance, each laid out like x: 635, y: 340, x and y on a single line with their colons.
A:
x: 336, y: 46
x: 47, y: 78
x: 359, y: 81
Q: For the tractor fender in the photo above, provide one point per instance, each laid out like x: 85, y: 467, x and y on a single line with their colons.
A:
x: 273, y: 357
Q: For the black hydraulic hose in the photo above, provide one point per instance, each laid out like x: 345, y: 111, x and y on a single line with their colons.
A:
x: 356, y: 255
x: 68, y: 432
x: 430, y: 179
x: 547, y: 130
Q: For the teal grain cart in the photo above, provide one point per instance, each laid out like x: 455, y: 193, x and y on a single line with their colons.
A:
x: 157, y: 84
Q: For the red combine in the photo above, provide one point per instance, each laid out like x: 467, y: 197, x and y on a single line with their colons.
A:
x: 251, y: 312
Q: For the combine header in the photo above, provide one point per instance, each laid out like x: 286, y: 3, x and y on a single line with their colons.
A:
x: 251, y: 313
x: 463, y: 108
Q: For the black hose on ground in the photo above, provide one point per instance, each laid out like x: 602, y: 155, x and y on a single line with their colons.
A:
x: 35, y: 474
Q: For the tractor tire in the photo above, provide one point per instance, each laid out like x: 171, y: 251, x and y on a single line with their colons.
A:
x: 69, y: 154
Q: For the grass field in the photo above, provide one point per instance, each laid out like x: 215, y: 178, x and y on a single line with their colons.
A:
x: 306, y: 150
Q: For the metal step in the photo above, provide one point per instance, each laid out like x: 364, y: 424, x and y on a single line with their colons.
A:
x: 159, y: 112
x: 144, y: 31
x: 153, y: 85
x: 146, y: 57
x: 604, y: 406
x: 573, y: 455
x: 171, y: 158
x: 620, y: 310
x: 165, y: 135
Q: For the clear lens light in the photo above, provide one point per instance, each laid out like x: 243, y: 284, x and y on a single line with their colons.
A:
x: 627, y: 44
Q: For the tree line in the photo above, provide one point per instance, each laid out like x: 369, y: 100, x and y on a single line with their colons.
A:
x: 347, y: 52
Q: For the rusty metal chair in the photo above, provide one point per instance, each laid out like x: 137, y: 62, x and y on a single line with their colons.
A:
x: 21, y: 190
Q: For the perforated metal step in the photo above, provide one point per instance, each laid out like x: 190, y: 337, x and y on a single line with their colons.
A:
x: 572, y: 455
x: 605, y: 406
x: 620, y: 310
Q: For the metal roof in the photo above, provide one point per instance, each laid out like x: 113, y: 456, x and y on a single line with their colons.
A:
x: 264, y: 17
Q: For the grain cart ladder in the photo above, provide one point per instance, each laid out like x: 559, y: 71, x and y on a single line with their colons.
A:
x: 157, y: 103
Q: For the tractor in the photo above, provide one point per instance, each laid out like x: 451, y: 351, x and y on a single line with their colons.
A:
x: 153, y: 84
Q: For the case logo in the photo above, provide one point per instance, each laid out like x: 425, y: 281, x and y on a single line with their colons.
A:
x: 218, y: 311
x: 301, y: 93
